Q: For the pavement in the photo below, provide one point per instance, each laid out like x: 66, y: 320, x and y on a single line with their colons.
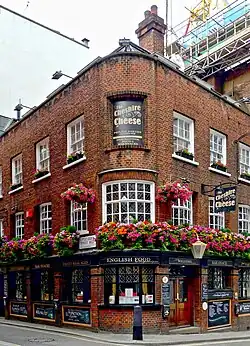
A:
x: 126, y: 339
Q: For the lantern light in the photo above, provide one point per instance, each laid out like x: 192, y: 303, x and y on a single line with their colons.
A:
x: 198, y: 248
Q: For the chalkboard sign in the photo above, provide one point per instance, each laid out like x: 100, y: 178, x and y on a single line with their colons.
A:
x: 44, y: 312
x: 18, y: 309
x: 76, y: 315
x: 218, y: 313
x: 165, y: 294
x: 204, y: 292
x: 244, y: 308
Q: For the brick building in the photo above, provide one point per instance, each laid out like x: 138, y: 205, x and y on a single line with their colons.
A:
x: 171, y: 112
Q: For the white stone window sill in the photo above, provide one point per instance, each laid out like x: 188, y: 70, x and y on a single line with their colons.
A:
x: 240, y: 179
x: 219, y: 172
x: 1, y: 196
x: 178, y: 157
x: 18, y: 189
x: 74, y: 163
x: 41, y: 178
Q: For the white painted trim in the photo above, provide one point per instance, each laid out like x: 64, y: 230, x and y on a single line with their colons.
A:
x: 48, y: 218
x: 219, y: 172
x: 18, y: 189
x: 244, y: 180
x: 128, y: 169
x: 178, y: 157
x: 152, y: 191
x: 41, y: 178
x: 71, y: 124
x: 74, y: 163
x: 177, y: 115
x: 14, y: 159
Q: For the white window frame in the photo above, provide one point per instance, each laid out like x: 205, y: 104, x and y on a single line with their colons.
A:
x: 244, y: 220
x: 69, y: 129
x: 218, y: 218
x: 224, y: 147
x: 19, y: 226
x: 47, y: 219
x: 120, y: 200
x: 43, y: 143
x: 77, y: 210
x: 186, y: 207
x: 244, y: 166
x: 191, y: 132
x: 1, y: 228
x: 16, y: 173
x: 1, y: 182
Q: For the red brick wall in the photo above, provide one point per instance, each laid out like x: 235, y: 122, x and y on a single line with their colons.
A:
x: 165, y: 91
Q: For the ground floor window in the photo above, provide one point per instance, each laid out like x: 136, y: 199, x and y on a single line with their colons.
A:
x: 77, y: 285
x: 128, y: 200
x: 182, y: 213
x: 42, y: 285
x: 244, y: 283
x: 218, y: 278
x: 129, y: 285
x: 17, y: 286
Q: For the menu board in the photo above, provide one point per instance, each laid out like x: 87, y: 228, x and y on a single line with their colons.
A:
x: 76, y: 315
x: 165, y: 294
x: 18, y: 309
x: 204, y: 292
x: 244, y: 308
x: 44, y: 311
x: 218, y: 313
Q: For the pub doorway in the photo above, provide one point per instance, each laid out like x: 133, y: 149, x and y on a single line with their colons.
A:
x: 182, y: 296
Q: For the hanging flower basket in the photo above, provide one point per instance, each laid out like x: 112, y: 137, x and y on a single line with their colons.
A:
x: 80, y: 194
x: 174, y: 191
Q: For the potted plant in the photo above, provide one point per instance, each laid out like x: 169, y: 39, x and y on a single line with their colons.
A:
x: 80, y: 194
x: 74, y: 156
x: 245, y: 175
x: 38, y: 246
x: 65, y: 243
x: 219, y: 165
x: 174, y: 191
x: 40, y: 173
x: 185, y: 153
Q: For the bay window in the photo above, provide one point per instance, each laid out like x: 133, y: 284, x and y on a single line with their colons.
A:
x: 129, y: 285
x: 128, y: 200
x: 244, y: 283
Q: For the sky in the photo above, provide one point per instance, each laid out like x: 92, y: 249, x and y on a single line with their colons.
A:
x: 30, y: 54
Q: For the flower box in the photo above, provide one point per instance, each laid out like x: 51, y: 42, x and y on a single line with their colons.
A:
x: 15, y: 186
x: 245, y: 176
x: 74, y: 157
x: 219, y: 166
x: 39, y: 174
x: 187, y: 155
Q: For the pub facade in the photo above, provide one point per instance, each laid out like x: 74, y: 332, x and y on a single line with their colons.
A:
x: 126, y: 125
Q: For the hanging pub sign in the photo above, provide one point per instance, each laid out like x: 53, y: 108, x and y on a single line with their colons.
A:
x: 128, y: 123
x: 225, y: 199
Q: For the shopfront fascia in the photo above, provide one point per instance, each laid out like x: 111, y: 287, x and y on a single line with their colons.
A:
x: 99, y: 290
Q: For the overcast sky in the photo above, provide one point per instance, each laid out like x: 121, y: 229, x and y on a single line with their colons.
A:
x: 30, y: 55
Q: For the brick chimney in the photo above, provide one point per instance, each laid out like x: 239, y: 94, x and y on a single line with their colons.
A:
x: 151, y: 31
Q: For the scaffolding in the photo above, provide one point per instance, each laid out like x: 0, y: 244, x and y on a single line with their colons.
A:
x: 218, y: 44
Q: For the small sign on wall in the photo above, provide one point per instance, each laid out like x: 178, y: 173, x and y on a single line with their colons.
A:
x: 225, y: 199
x: 87, y: 242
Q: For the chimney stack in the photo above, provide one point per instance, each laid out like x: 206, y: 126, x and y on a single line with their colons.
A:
x: 151, y: 31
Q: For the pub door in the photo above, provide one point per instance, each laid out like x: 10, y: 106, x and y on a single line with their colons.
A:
x: 181, y: 303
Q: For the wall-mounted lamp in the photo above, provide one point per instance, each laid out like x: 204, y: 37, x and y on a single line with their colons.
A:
x: 59, y: 74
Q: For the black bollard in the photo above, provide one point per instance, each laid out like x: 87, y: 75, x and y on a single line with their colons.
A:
x: 137, y: 326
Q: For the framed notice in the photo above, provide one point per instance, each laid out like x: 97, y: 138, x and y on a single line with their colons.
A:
x: 219, y: 313
x: 44, y: 312
x: 128, y: 123
x: 18, y: 309
x: 76, y: 315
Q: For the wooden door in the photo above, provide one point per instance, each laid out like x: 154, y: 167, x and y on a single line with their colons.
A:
x: 181, y: 303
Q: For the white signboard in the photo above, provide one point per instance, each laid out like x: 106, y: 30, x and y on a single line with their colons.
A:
x: 87, y: 242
